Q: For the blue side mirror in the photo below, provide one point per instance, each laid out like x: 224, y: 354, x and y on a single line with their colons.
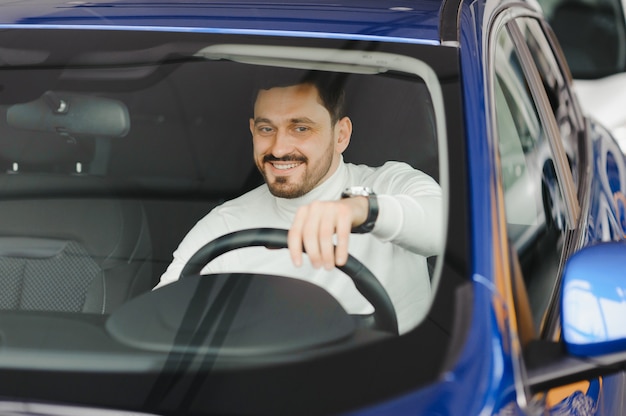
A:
x: 593, y: 300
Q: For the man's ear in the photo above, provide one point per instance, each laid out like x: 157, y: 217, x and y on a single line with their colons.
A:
x: 343, y: 129
x: 252, y: 126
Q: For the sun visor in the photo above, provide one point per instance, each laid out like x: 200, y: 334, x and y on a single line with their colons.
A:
x: 72, y: 115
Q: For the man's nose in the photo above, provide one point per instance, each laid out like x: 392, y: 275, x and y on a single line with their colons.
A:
x: 283, y: 144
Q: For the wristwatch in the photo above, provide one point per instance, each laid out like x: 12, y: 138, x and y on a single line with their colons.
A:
x: 372, y: 212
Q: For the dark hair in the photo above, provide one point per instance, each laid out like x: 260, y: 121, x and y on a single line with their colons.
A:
x: 330, y: 86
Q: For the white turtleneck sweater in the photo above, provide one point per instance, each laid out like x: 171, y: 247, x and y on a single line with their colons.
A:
x: 408, y: 229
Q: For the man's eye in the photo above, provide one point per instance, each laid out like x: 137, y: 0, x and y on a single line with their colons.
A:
x: 301, y: 129
x: 265, y: 129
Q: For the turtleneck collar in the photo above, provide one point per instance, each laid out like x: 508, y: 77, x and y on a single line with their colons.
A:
x: 328, y: 190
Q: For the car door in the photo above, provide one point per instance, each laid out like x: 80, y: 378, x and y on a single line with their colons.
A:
x: 543, y: 152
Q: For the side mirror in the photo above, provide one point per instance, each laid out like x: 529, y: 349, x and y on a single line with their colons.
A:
x: 593, y: 301
x: 593, y: 307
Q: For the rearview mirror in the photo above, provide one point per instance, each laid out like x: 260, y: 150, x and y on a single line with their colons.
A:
x: 72, y: 115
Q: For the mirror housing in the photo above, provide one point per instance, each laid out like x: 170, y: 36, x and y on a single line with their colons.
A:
x: 593, y: 301
x: 593, y: 306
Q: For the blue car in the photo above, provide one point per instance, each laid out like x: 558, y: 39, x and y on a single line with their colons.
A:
x: 123, y: 124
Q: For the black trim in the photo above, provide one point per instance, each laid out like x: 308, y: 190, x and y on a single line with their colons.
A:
x: 449, y: 21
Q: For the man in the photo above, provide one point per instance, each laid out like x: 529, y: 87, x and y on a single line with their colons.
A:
x: 299, y: 133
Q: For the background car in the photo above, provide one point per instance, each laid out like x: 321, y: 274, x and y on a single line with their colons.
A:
x: 592, y: 34
x: 122, y: 124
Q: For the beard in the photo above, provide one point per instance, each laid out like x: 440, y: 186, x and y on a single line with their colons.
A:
x: 290, y: 187
x: 281, y: 187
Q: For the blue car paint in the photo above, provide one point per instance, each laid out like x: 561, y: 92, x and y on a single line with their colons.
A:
x: 608, y: 189
x: 399, y: 21
x: 605, y: 223
x: 591, y: 274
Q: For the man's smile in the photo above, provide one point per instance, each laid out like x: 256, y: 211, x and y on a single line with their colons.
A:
x: 285, y: 166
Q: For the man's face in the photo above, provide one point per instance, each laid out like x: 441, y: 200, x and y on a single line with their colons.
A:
x: 296, y: 147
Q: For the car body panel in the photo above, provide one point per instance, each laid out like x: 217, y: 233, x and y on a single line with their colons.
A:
x: 403, y: 21
x: 486, y: 375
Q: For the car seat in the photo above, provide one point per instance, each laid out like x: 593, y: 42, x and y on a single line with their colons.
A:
x: 66, y: 244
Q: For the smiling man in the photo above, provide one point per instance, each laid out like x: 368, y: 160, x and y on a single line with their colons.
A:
x: 388, y: 217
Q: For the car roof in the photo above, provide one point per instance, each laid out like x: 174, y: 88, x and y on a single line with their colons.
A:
x: 414, y: 21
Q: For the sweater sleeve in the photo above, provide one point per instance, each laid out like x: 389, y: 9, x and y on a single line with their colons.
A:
x: 205, y: 230
x: 410, y: 209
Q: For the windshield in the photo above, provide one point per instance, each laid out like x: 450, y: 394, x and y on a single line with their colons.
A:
x: 116, y: 147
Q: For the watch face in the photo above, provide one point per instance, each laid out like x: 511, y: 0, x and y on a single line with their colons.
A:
x: 372, y: 213
x: 357, y: 191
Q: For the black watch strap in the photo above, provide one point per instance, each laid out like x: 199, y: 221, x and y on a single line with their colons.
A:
x: 372, y: 215
x: 372, y: 211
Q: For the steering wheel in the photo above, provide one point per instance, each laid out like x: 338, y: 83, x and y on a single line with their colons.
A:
x: 384, y: 317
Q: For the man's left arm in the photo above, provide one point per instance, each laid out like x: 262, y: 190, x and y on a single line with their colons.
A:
x: 410, y: 214
x: 414, y: 223
x: 410, y: 209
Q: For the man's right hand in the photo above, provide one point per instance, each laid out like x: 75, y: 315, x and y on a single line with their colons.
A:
x: 315, y: 226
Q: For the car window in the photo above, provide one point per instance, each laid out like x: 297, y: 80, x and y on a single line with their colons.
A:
x: 535, y: 211
x: 592, y: 34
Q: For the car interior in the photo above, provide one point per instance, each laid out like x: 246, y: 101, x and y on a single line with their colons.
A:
x: 108, y: 162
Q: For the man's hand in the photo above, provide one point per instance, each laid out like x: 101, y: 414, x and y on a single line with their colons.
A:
x: 315, y: 225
